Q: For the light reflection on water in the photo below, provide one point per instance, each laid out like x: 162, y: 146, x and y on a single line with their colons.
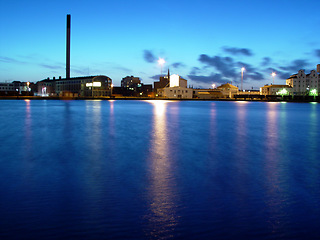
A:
x: 162, y: 204
x: 159, y: 169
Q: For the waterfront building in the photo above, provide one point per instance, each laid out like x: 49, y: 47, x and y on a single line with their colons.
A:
x: 282, y: 90
x: 163, y: 82
x: 16, y: 88
x: 178, y: 92
x: 304, y: 84
x: 7, y: 89
x: 207, y: 93
x: 131, y: 82
x: 228, y: 90
x: 91, y: 86
x: 175, y: 88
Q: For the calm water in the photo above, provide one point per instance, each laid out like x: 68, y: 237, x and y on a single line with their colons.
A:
x: 159, y: 170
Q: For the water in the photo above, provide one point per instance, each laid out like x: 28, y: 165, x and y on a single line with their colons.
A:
x: 159, y: 170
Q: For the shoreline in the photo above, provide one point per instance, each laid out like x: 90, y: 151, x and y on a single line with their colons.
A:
x: 299, y: 99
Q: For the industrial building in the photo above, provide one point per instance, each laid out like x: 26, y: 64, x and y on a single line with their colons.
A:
x: 305, y: 84
x: 91, y: 86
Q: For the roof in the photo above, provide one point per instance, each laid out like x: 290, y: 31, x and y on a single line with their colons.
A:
x: 277, y: 86
x: 227, y: 85
x: 72, y: 79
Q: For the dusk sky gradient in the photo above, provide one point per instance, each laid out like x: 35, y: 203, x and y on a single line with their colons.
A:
x: 204, y: 41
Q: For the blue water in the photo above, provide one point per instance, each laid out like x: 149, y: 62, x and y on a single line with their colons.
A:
x: 159, y: 170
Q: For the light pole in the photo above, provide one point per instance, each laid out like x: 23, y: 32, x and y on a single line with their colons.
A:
x: 242, y: 70
x: 273, y: 74
x: 111, y: 89
x: 161, y: 61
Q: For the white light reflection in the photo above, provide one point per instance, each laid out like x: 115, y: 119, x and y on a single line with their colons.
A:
x: 28, y: 130
x: 274, y: 170
x: 161, y: 192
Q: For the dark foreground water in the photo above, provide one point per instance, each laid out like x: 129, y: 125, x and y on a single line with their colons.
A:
x: 159, y: 170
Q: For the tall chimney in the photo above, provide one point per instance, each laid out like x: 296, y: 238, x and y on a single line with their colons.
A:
x: 68, y: 47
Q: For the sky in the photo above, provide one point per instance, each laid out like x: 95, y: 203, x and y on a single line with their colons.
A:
x: 205, y: 41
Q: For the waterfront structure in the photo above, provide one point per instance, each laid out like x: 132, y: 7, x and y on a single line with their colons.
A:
x: 68, y: 46
x: 16, y: 88
x: 7, y: 89
x: 207, y: 93
x: 175, y: 88
x: 304, y: 84
x: 91, y: 86
x: 163, y: 82
x: 130, y: 82
x: 177, y: 92
x: 228, y: 90
x: 176, y: 81
x: 282, y: 90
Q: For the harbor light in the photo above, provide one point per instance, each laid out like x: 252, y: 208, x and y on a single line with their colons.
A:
x: 161, y: 62
x: 273, y: 74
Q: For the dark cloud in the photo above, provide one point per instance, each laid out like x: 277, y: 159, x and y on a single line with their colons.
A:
x: 238, y: 51
x: 10, y: 60
x: 295, y: 65
x: 156, y: 77
x: 149, y: 56
x: 195, y: 71
x: 223, y: 64
x: 266, y: 61
x: 318, y: 53
x: 50, y: 66
x: 177, y: 65
x: 213, y: 78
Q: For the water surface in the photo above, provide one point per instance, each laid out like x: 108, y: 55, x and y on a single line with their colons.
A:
x: 159, y: 170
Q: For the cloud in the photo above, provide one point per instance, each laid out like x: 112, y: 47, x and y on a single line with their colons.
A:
x: 149, y: 56
x: 318, y: 53
x: 50, y: 66
x: 238, y: 51
x: 10, y: 60
x: 177, y: 65
x: 213, y: 78
x: 295, y: 65
x: 266, y: 61
x: 223, y: 64
x: 156, y: 77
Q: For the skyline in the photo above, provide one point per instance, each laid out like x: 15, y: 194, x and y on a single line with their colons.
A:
x: 206, y: 43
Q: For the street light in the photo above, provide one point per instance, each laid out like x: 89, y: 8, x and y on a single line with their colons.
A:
x: 273, y: 74
x: 161, y: 61
x: 242, y: 70
x: 213, y: 86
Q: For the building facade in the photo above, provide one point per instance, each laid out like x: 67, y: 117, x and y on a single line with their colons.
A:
x: 227, y: 90
x: 282, y: 90
x: 304, y: 84
x: 92, y: 86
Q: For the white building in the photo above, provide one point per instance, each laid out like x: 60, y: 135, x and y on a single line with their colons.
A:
x: 177, y: 90
x: 177, y: 81
x: 276, y: 90
x: 305, y: 84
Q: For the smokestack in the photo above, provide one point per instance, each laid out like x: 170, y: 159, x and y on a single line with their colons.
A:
x: 68, y: 47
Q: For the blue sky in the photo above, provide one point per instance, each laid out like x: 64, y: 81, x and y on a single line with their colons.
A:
x: 205, y: 41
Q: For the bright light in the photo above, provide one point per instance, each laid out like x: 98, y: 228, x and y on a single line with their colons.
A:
x: 213, y: 86
x: 161, y: 61
x: 243, y: 69
x: 95, y: 84
x: 313, y: 92
x: 283, y: 92
x: 273, y: 74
